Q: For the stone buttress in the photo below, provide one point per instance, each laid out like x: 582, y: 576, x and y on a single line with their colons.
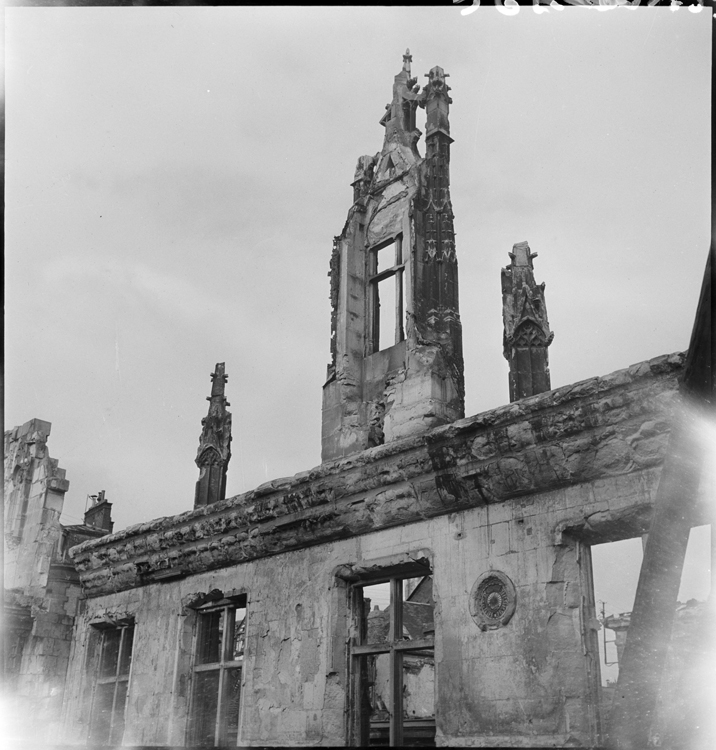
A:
x: 526, y: 328
x: 396, y: 337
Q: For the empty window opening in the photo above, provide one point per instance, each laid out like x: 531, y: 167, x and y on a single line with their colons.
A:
x: 393, y: 663
x: 386, y: 274
x: 696, y: 574
x: 218, y: 665
x: 615, y: 569
x: 110, y: 694
x: 385, y: 258
x: 387, y: 313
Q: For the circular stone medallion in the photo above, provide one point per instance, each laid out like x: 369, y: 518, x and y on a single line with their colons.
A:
x: 492, y: 600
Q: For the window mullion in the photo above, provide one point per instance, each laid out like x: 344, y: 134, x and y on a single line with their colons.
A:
x: 399, y: 333
x: 396, y: 662
x: 360, y: 720
x: 375, y: 314
x: 122, y: 634
x: 95, y: 686
x: 122, y: 647
x: 229, y: 625
x: 219, y: 728
x: 224, y: 650
x: 396, y: 695
x: 372, y: 332
x: 396, y: 609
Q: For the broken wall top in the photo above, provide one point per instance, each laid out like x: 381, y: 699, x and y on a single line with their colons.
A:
x: 34, y: 490
x: 601, y: 427
x: 27, y: 460
x: 396, y: 365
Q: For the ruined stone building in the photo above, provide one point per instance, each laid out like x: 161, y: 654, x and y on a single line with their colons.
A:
x: 681, y: 695
x: 430, y: 581
x: 41, y: 586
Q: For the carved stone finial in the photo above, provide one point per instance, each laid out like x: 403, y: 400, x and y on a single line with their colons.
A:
x: 214, y: 452
x: 399, y: 118
x: 407, y: 59
x: 526, y: 329
x: 436, y: 101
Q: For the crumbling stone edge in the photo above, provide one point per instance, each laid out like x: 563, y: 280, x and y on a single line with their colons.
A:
x: 603, y: 426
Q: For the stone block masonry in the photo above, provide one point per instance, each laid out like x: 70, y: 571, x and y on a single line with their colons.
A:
x: 42, y: 588
x: 603, y: 427
x: 248, y: 620
x: 523, y: 489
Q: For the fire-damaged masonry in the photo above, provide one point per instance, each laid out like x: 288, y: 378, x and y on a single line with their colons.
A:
x: 523, y: 490
x: 41, y: 585
x: 396, y: 342
x: 430, y: 582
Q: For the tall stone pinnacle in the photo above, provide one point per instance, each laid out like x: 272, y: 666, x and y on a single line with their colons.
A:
x: 396, y: 339
x: 214, y: 452
x: 526, y: 329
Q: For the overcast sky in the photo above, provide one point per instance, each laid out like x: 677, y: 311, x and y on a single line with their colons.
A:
x: 175, y: 177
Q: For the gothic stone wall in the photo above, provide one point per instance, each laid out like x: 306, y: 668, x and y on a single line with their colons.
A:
x: 523, y: 489
x: 40, y: 594
x: 34, y: 495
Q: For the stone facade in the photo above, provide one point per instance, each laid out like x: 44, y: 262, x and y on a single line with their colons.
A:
x: 42, y: 587
x: 524, y: 489
x: 248, y: 620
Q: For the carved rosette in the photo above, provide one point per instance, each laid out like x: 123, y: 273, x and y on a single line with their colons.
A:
x: 493, y: 600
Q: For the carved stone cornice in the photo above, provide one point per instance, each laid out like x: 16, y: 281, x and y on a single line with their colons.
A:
x: 598, y: 428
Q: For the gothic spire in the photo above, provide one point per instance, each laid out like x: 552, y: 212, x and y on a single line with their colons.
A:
x: 214, y: 452
x: 526, y: 329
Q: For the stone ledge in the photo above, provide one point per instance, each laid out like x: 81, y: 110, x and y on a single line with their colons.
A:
x: 603, y: 426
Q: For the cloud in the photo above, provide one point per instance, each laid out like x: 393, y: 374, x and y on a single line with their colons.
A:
x: 173, y: 297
